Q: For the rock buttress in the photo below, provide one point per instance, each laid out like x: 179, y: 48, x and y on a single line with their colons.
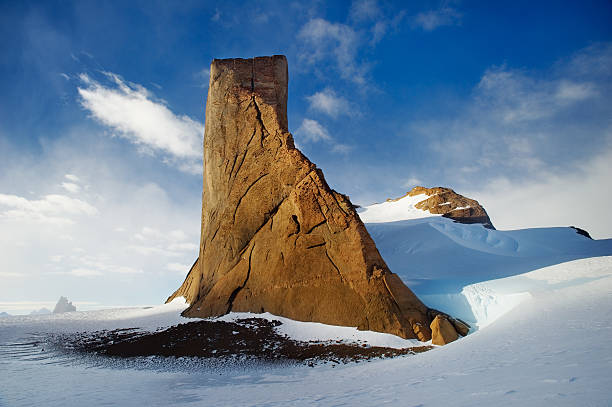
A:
x: 274, y: 237
x: 451, y: 205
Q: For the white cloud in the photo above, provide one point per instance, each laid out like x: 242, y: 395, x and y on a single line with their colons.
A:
x: 182, y: 269
x: 312, y: 131
x: 53, y: 208
x: 72, y: 177
x: 379, y: 29
x: 534, y: 146
x: 83, y: 245
x: 328, y: 102
x: 430, y: 20
x: 568, y: 92
x: 71, y: 187
x: 518, y: 123
x: 134, y: 114
x: 363, y: 10
x: 81, y: 272
x: 412, y: 182
x: 183, y: 247
x: 516, y: 97
x: 579, y: 198
x: 9, y: 274
x: 203, y: 76
x: 341, y: 148
x: 125, y: 270
x: 322, y: 39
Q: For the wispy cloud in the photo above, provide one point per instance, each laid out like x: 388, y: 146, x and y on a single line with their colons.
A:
x: 311, y: 131
x: 81, y: 272
x: 412, y: 182
x: 322, y: 39
x: 432, y: 19
x: 329, y: 103
x: 71, y: 187
x: 52, y: 208
x: 364, y: 10
x: 179, y: 268
x: 522, y: 123
x: 203, y: 77
x: 535, y: 144
x: 9, y: 274
x: 133, y: 113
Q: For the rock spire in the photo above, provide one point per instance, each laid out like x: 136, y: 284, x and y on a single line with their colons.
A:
x: 274, y: 236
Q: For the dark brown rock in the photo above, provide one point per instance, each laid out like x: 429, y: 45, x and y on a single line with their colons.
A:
x: 274, y: 236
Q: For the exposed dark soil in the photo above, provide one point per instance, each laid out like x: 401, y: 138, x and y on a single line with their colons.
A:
x: 252, y: 338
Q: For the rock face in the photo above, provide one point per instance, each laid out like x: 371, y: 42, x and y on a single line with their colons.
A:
x: 442, y: 331
x: 451, y: 205
x: 63, y: 305
x: 274, y: 237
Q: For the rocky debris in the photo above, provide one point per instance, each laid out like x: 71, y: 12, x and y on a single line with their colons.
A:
x: 442, y: 331
x: 63, y: 305
x: 451, y: 205
x: 253, y: 338
x: 274, y: 236
x: 581, y: 232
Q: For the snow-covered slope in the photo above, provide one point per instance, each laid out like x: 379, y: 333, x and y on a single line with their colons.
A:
x: 442, y: 261
x: 390, y: 211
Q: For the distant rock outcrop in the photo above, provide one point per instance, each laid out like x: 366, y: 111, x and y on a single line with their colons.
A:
x: 448, y: 203
x: 274, y: 236
x: 63, y: 305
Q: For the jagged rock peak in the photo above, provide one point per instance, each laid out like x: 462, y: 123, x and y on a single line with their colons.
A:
x: 274, y: 237
x: 448, y: 203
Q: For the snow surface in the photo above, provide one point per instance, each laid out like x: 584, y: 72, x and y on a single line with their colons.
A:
x: 553, y: 348
x: 402, y: 209
x: 539, y: 302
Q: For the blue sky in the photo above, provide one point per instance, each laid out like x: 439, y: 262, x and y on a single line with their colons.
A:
x: 102, y: 105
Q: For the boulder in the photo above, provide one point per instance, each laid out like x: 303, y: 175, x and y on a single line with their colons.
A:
x: 442, y: 331
x: 274, y: 236
x: 462, y: 327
